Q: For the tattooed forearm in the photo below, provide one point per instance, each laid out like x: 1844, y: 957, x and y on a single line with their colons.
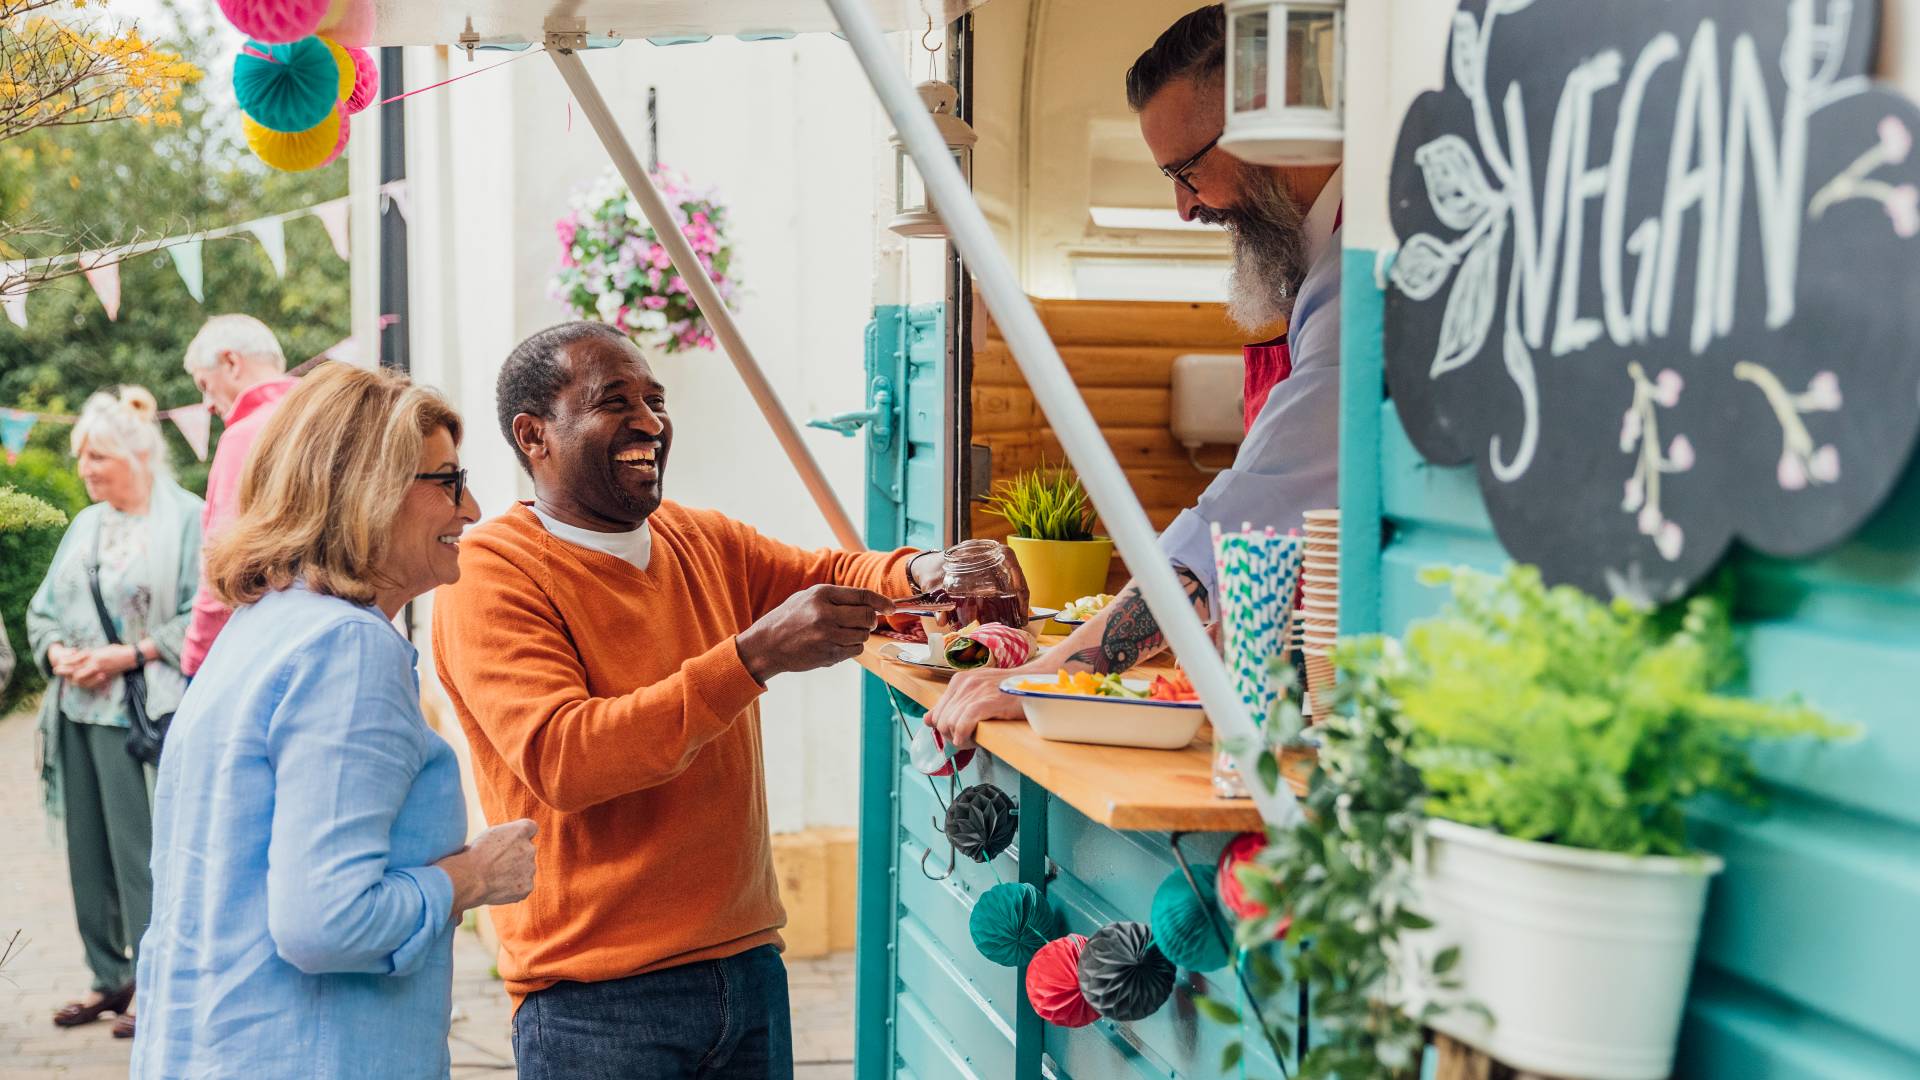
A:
x: 1131, y: 633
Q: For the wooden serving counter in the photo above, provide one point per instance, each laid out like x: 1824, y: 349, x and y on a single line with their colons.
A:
x: 1115, y: 786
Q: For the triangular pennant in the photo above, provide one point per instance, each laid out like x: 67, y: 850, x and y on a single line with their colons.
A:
x: 13, y: 292
x: 14, y: 426
x: 186, y: 259
x: 334, y: 216
x: 105, y: 279
x: 396, y: 193
x: 194, y: 421
x: 272, y: 234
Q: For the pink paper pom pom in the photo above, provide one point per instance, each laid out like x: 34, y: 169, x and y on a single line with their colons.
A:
x: 366, y: 80
x: 274, y: 22
x: 349, y: 22
x: 340, y: 145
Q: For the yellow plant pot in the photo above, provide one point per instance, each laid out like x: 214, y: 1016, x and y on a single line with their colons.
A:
x: 1061, y: 571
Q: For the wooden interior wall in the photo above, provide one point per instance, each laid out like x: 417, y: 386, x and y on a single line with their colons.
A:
x: 1121, y: 355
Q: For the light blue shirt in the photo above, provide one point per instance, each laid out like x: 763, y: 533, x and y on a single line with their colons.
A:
x: 1289, y: 462
x: 298, y: 928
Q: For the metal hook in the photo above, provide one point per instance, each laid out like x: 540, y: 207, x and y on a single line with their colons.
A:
x: 953, y: 860
x: 928, y: 34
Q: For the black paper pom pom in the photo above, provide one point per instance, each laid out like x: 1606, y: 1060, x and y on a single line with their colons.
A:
x: 981, y: 822
x: 1123, y: 974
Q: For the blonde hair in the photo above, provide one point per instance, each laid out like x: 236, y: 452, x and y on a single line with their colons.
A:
x: 324, y: 484
x: 124, y: 422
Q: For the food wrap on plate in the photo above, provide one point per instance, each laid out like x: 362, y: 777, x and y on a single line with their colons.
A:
x: 989, y: 645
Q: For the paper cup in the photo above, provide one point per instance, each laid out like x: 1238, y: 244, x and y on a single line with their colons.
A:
x: 1312, y: 516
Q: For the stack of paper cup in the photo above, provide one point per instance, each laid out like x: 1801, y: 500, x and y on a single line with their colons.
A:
x: 1257, y: 574
x: 1318, y: 619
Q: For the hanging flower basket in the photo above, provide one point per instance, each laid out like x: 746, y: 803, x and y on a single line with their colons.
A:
x: 613, y: 268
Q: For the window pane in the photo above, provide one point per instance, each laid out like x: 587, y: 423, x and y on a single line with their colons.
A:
x: 1250, y: 62
x: 1310, y: 59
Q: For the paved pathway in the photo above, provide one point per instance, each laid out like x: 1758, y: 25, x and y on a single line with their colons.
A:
x: 47, y: 968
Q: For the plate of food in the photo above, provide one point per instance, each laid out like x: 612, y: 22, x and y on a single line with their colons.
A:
x: 1162, y: 713
x: 916, y: 656
x: 969, y: 648
x: 1083, y: 610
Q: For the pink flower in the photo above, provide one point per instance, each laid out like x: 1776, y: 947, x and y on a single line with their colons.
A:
x: 653, y: 278
x: 700, y: 216
x: 1650, y: 519
x: 658, y: 256
x: 1636, y: 493
x: 1629, y: 430
x: 1680, y: 454
x: 1895, y: 140
x: 1792, y: 472
x: 1670, y: 540
x: 1666, y: 389
x: 1823, y: 393
x: 1903, y: 206
x: 653, y: 303
x: 1824, y: 465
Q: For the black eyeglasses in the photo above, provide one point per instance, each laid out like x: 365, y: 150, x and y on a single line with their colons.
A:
x: 456, y: 477
x: 1178, y: 173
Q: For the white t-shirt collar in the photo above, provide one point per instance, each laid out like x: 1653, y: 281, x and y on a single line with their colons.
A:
x: 635, y: 546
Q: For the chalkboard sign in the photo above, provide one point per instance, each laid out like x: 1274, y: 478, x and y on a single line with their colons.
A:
x: 1659, y: 280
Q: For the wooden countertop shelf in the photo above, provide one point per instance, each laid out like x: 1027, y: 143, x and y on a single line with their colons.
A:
x: 1116, y: 786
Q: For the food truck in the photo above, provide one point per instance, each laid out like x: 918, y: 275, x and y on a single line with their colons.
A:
x: 1659, y: 249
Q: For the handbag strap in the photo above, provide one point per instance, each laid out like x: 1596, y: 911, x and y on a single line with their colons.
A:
x: 100, y: 601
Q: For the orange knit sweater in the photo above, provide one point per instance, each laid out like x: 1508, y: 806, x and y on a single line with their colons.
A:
x: 609, y: 705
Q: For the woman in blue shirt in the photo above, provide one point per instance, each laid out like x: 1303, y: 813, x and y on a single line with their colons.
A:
x: 308, y: 869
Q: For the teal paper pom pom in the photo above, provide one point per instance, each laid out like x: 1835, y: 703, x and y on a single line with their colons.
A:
x: 1186, y: 927
x: 292, y: 92
x: 1010, y: 922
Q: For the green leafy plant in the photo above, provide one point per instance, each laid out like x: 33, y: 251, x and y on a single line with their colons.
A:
x: 47, y: 475
x: 1538, y: 713
x: 30, y: 532
x: 1044, y: 504
x: 1547, y: 715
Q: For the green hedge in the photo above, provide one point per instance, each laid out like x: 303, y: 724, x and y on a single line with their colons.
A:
x: 48, y: 476
x: 30, y: 531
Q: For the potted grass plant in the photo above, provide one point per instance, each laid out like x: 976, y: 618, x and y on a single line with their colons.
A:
x: 1053, y: 539
x: 1496, y: 840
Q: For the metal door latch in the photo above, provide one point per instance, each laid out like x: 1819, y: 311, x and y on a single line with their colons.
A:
x: 877, y: 416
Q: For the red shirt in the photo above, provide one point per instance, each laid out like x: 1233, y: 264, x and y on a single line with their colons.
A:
x: 250, y: 413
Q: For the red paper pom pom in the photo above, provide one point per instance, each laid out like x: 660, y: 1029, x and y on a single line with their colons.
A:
x: 349, y: 22
x: 1053, y: 983
x: 1233, y: 896
x: 274, y: 22
x: 366, y: 80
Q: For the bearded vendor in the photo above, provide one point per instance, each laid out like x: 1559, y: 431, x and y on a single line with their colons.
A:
x: 1284, y: 223
x: 605, y: 651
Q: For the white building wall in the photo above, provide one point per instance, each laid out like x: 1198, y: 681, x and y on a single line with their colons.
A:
x: 786, y: 131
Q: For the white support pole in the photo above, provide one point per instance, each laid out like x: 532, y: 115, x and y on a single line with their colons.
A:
x: 1060, y: 399
x: 562, y: 47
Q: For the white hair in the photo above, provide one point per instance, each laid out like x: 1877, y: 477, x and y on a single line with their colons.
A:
x: 242, y: 335
x: 124, y: 423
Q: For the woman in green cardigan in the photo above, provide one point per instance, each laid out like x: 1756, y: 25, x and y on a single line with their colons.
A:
x: 143, y: 531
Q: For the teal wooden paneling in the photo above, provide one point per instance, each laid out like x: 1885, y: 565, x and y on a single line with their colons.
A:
x: 1809, y: 963
x: 906, y: 505
x: 929, y: 971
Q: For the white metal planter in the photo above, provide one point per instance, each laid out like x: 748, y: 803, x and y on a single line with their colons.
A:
x: 1581, y: 956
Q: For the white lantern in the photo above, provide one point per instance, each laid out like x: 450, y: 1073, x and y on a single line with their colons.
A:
x: 915, y: 214
x: 1285, y: 61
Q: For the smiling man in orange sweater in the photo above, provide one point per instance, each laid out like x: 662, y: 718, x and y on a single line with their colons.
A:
x: 605, y: 651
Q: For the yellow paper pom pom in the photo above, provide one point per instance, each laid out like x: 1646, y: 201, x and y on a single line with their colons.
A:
x: 344, y: 60
x: 294, y: 151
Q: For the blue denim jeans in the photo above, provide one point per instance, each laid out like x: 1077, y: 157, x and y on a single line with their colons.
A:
x: 723, y: 1019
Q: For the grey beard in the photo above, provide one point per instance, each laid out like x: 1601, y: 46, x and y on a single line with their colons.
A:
x: 1270, y: 253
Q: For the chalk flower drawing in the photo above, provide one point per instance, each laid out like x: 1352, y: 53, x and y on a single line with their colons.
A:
x: 1801, y: 462
x: 1640, y: 432
x: 1901, y: 202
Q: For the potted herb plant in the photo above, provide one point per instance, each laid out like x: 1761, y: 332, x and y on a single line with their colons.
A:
x: 1053, y: 539
x: 1496, y: 844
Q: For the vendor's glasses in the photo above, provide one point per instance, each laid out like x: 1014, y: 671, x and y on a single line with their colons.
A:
x: 456, y: 479
x: 1178, y: 173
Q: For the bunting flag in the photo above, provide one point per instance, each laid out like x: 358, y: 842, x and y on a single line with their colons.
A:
x: 105, y: 279
x: 272, y: 234
x: 334, y: 216
x: 16, y: 304
x: 194, y: 422
x: 14, y: 426
x: 396, y: 193
x: 186, y: 259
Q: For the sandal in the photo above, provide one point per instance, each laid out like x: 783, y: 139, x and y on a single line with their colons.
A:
x: 123, y: 1026
x: 76, y: 1013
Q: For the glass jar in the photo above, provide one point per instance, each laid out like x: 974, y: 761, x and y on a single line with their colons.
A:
x: 980, y: 584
